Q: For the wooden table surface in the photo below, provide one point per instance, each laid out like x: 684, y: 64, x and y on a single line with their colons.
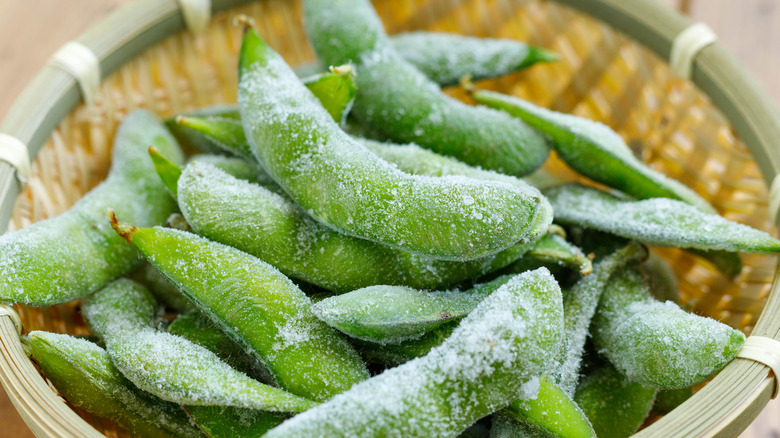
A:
x: 30, y: 31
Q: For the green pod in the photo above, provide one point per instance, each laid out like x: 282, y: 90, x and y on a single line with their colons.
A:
x: 596, y: 151
x: 341, y: 184
x: 552, y: 251
x: 658, y: 221
x: 169, y: 366
x: 490, y: 359
x: 197, y: 328
x: 506, y: 426
x: 392, y: 314
x: 392, y: 355
x: 222, y: 422
x: 257, y: 306
x: 71, y: 255
x: 615, y: 405
x: 162, y: 289
x: 445, y: 58
x: 655, y: 343
x: 83, y: 373
x: 580, y: 305
x: 272, y: 228
x: 400, y: 102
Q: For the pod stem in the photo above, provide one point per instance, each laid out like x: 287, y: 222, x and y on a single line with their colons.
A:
x: 124, y: 230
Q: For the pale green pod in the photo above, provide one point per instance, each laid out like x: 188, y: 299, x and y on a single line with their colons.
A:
x: 83, y: 373
x: 169, y: 366
x: 393, y: 314
x: 656, y: 343
x: 596, y: 151
x: 342, y: 184
x: 658, y: 221
x: 579, y: 307
x: 492, y: 358
x: 272, y: 228
x: 615, y: 405
x: 445, y: 58
x: 257, y: 306
x: 71, y: 255
x: 402, y: 103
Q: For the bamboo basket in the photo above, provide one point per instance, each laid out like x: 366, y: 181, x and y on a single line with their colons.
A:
x: 714, y: 133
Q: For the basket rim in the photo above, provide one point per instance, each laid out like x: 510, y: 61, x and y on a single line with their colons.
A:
x: 724, y: 407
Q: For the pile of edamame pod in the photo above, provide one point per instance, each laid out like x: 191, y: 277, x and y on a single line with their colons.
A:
x: 358, y: 254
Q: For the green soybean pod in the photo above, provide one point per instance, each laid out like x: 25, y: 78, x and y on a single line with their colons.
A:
x: 615, y: 405
x: 400, y: 102
x: 492, y: 357
x: 161, y: 288
x: 71, y: 255
x: 580, y: 305
x: 221, y: 421
x: 84, y: 374
x: 392, y: 314
x: 596, y: 151
x: 552, y: 251
x: 272, y: 228
x: 341, y: 184
x: 169, y: 366
x: 658, y: 221
x: 445, y: 58
x: 257, y: 306
x: 659, y: 344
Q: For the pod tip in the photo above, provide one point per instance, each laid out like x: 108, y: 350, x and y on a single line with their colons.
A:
x: 124, y: 230
x: 245, y: 22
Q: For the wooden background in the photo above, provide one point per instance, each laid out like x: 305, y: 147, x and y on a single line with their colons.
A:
x: 31, y: 30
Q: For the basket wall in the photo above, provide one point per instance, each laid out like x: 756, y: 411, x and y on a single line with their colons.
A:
x: 601, y: 75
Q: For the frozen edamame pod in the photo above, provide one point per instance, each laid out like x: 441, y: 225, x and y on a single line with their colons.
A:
x: 400, y: 102
x: 221, y: 422
x: 615, y: 405
x: 552, y: 250
x: 658, y: 221
x: 169, y: 366
x: 270, y: 227
x: 257, y: 306
x: 392, y: 314
x: 83, y: 373
x: 579, y: 307
x: 655, y: 343
x: 342, y: 184
x: 446, y: 57
x: 73, y: 254
x: 494, y: 354
x: 596, y: 151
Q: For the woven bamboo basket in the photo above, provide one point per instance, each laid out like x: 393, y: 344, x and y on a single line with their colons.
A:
x: 714, y: 133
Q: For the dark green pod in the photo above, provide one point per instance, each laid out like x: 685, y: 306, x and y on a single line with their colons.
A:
x: 83, y: 373
x: 596, y: 151
x: 71, y: 255
x: 257, y: 306
x: 615, y: 405
x: 224, y: 422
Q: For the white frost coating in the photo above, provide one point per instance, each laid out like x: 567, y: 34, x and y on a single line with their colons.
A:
x: 344, y: 185
x: 657, y: 221
x: 170, y: 366
x: 505, y: 342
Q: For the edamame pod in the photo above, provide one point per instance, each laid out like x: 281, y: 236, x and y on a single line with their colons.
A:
x: 445, y: 58
x: 168, y: 366
x: 596, y: 151
x: 342, y: 184
x: 579, y: 307
x: 490, y: 359
x: 392, y: 314
x: 401, y: 103
x: 272, y: 228
x: 655, y: 343
x: 615, y: 405
x: 257, y: 306
x: 83, y: 373
x: 162, y: 289
x: 220, y: 421
x: 658, y: 221
x: 552, y: 251
x: 71, y: 255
